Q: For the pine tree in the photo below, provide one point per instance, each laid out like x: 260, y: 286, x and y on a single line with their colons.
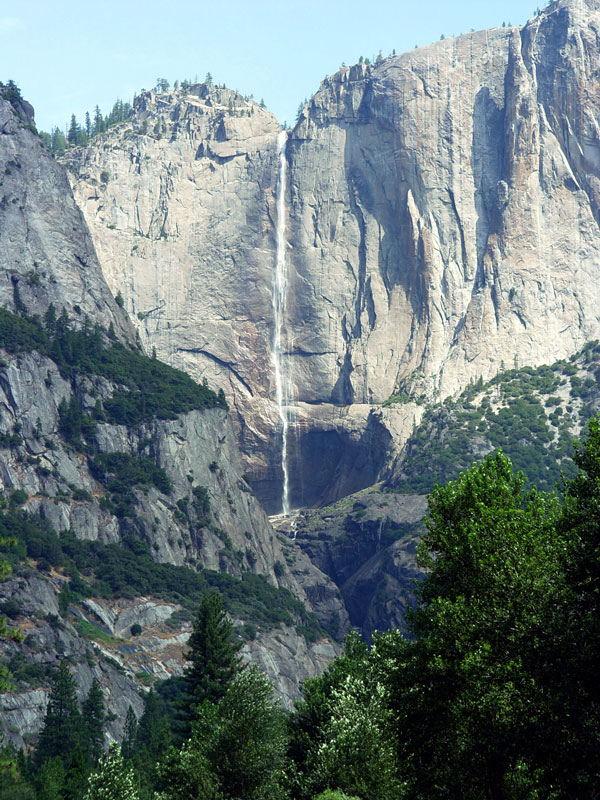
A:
x: 94, y: 718
x: 50, y: 780
x: 129, y: 735
x: 113, y: 780
x: 73, y: 134
x: 98, y: 121
x: 58, y: 143
x: 213, y: 656
x: 61, y: 730
x: 153, y: 730
x: 152, y: 740
x: 77, y: 775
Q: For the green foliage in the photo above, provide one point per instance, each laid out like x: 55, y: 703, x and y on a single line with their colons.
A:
x: 19, y: 497
x: 21, y: 334
x: 94, y: 719
x: 578, y: 740
x: 78, y: 135
x: 33, y: 537
x: 7, y: 631
x: 130, y: 571
x: 201, y: 503
x: 519, y: 411
x: 70, y: 740
x: 14, y: 784
x: 11, y: 93
x: 62, y: 727
x: 358, y: 751
x: 186, y: 773
x: 496, y: 693
x: 471, y: 692
x: 73, y: 424
x: 121, y: 472
x: 237, y: 749
x: 146, y: 742
x: 50, y: 780
x: 26, y: 673
x: 341, y: 733
x: 129, y: 735
x: 113, y: 780
x: 150, y: 388
x: 403, y: 398
x: 213, y: 659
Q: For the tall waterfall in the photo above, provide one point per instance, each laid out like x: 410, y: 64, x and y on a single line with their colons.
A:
x: 283, y: 385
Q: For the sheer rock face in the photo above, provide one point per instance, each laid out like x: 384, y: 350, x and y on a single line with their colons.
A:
x: 46, y: 252
x: 442, y: 220
x: 444, y: 211
x: 182, y: 217
x: 48, y: 257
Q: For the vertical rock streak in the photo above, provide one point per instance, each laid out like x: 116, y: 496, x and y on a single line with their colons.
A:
x: 283, y: 384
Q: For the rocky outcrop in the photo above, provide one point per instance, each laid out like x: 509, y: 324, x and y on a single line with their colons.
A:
x: 442, y: 219
x: 196, y: 449
x: 46, y: 251
x: 366, y: 543
x: 96, y: 636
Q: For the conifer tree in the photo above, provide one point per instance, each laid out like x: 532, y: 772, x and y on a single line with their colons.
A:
x: 213, y: 656
x: 7, y: 632
x: 94, y: 718
x: 98, y: 121
x: 77, y: 775
x: 152, y: 739
x: 73, y: 134
x: 129, y: 735
x: 51, y: 779
x: 61, y: 729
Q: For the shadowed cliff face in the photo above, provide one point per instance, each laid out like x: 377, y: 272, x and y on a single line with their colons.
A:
x: 442, y: 211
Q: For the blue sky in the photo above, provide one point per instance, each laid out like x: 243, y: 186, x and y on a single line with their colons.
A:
x: 69, y: 56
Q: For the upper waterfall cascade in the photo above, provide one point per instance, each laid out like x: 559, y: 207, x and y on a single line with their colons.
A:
x: 282, y: 372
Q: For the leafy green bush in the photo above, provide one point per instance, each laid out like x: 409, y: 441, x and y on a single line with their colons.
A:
x: 18, y: 497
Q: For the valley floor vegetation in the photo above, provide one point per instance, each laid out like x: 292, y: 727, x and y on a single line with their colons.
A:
x: 492, y: 692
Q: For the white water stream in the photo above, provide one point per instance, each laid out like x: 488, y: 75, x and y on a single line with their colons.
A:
x: 283, y: 384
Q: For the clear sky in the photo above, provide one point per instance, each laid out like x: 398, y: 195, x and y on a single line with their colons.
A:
x: 69, y: 55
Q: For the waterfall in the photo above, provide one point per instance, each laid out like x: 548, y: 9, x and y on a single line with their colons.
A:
x: 283, y: 387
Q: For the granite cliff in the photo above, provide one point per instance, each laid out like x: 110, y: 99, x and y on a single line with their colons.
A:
x: 441, y: 222
x: 94, y: 456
